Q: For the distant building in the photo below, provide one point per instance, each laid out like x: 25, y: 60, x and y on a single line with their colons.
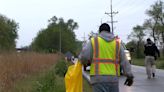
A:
x: 22, y: 49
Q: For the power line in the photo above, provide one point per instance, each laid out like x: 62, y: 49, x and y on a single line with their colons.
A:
x: 119, y: 4
x: 132, y: 5
x: 111, y: 14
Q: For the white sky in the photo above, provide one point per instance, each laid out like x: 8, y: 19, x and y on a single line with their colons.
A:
x: 33, y: 15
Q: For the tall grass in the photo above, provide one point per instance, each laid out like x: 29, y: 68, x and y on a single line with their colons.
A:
x: 16, y: 66
x: 53, y: 80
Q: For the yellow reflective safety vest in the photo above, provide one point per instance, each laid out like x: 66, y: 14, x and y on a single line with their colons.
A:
x: 105, y: 59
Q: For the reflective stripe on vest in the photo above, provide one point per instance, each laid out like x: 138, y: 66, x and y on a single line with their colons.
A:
x: 105, y: 57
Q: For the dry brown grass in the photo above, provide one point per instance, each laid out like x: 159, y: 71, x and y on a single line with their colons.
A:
x: 15, y: 66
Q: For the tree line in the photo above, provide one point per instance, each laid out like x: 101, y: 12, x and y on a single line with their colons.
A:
x: 8, y: 33
x: 58, y: 35
x: 152, y: 27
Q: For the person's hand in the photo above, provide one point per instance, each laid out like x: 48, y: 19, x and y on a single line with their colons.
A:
x: 129, y: 81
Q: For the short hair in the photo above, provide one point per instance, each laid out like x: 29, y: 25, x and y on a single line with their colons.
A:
x: 148, y: 39
x: 104, y: 27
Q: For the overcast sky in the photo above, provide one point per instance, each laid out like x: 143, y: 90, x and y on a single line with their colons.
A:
x: 33, y: 15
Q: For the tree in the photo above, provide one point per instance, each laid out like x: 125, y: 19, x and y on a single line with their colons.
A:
x: 156, y: 18
x: 131, y: 46
x: 151, y: 25
x: 137, y: 35
x: 8, y: 33
x: 48, y: 40
x: 156, y: 22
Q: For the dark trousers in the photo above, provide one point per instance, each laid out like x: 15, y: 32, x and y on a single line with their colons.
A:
x: 105, y: 87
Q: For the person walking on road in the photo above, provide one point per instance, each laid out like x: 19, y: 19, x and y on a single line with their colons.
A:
x: 150, y: 57
x: 106, y: 54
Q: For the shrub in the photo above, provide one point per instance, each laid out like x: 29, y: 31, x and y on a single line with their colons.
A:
x: 61, y: 68
x: 47, y: 83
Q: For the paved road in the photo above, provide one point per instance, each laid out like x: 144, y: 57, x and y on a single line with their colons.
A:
x: 142, y: 84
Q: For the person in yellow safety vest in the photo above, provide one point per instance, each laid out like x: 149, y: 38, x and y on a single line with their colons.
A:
x: 106, y: 55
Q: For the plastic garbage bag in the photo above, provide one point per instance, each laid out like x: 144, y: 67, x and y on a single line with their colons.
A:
x: 73, y: 78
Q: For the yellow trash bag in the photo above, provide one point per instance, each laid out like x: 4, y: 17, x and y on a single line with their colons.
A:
x: 73, y: 78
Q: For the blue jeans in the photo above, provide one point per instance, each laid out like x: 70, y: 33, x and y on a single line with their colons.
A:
x: 105, y: 87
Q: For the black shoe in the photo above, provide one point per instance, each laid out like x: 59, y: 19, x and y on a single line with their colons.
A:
x: 153, y: 75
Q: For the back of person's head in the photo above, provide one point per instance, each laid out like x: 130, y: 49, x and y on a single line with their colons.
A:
x: 104, y: 27
x: 149, y: 40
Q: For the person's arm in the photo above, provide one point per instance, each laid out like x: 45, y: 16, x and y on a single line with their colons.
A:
x: 156, y: 50
x: 126, y: 67
x: 125, y: 63
x: 145, y: 49
x: 86, y: 54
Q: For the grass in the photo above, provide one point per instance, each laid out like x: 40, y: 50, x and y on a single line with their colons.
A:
x: 32, y: 72
x: 19, y: 66
x: 44, y: 82
x: 86, y: 86
x: 26, y: 84
x: 140, y: 62
x: 47, y: 81
x: 60, y: 86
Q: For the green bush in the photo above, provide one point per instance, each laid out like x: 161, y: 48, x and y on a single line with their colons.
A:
x: 61, y: 68
x: 160, y: 63
x: 60, y: 85
x: 47, y: 83
x: 53, y: 80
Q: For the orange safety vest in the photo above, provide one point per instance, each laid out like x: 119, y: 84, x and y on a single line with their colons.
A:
x: 105, y: 57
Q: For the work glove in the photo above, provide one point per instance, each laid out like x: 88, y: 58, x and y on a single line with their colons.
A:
x: 129, y: 81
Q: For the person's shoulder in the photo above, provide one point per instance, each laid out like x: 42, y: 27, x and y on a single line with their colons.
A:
x: 153, y: 44
x: 145, y: 45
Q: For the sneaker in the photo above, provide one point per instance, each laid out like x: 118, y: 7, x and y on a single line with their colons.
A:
x: 153, y: 74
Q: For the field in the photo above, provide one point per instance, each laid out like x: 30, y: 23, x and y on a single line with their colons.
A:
x: 15, y: 67
x: 33, y: 72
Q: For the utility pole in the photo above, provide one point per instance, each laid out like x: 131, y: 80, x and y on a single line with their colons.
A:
x: 111, y: 15
x: 84, y: 37
x: 60, y: 39
x: 101, y: 20
x: 84, y: 41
